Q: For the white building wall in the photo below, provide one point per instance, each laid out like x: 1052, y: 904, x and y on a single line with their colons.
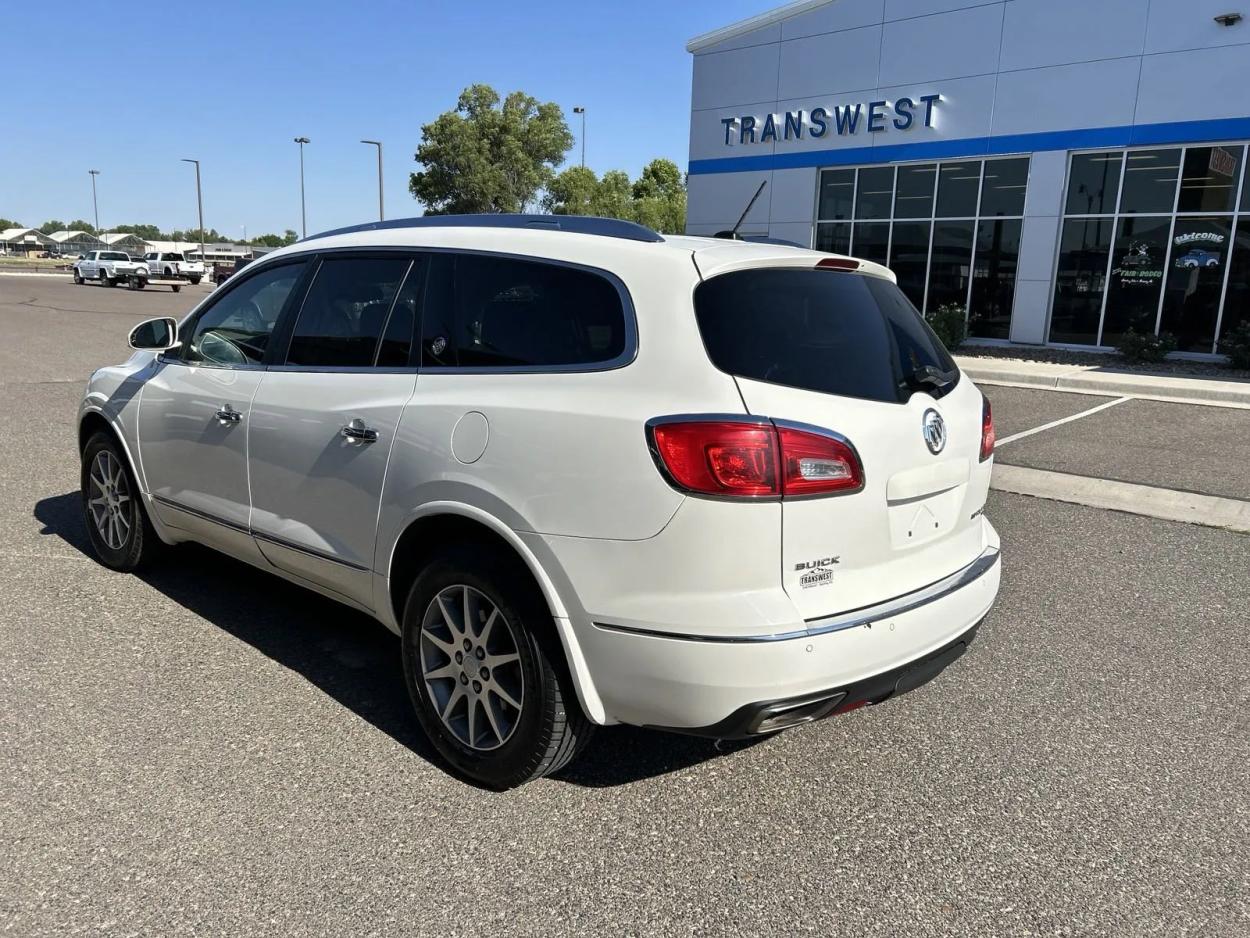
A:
x: 1138, y: 71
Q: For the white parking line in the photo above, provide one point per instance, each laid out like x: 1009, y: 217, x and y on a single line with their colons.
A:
x: 1055, y: 423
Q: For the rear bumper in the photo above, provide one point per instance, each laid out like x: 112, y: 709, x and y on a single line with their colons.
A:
x: 729, y: 687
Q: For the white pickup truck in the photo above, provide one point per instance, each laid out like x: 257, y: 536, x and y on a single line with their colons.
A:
x: 108, y: 267
x: 171, y: 265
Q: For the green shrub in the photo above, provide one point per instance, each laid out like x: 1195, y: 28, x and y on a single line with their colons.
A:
x: 1139, y: 348
x: 948, y: 322
x: 1236, y: 345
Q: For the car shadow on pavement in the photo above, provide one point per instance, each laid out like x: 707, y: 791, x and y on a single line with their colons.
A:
x: 349, y: 656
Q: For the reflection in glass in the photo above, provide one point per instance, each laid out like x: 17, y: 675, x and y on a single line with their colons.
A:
x: 1002, y: 190
x: 1150, y: 180
x: 1094, y: 183
x: 913, y: 196
x: 1237, y: 301
x: 994, y: 278
x: 1137, y: 259
x: 872, y: 241
x: 1209, y: 179
x: 1080, y: 280
x: 836, y: 239
x: 837, y: 194
x: 909, y: 256
x: 875, y: 192
x: 957, y: 189
x: 1191, y: 300
x: 952, y: 256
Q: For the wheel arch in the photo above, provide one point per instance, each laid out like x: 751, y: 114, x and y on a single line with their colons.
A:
x: 440, y: 523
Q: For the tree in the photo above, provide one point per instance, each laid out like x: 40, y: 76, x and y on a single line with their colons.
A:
x: 52, y: 225
x: 275, y: 240
x: 656, y: 199
x: 7, y: 223
x: 488, y: 156
x: 79, y: 225
x: 660, y: 179
x: 146, y: 232
x: 572, y: 192
x: 193, y: 235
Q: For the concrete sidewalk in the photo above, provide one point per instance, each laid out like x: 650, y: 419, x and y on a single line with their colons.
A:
x: 1100, y: 379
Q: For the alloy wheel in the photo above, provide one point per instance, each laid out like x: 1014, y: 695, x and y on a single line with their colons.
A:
x: 471, y: 667
x: 109, y: 500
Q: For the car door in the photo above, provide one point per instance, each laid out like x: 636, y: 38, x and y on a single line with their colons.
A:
x: 195, y: 410
x: 87, y: 266
x: 323, y: 421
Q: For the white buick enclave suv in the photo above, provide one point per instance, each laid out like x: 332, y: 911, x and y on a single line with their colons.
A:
x: 589, y: 474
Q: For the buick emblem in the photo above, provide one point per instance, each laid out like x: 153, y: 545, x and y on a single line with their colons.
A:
x: 933, y: 428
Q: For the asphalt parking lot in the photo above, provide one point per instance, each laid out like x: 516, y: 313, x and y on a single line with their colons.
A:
x: 208, y: 749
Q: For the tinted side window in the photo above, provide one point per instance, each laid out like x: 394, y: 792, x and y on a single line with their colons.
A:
x: 836, y: 333
x: 236, y: 329
x: 345, y: 311
x: 483, y: 311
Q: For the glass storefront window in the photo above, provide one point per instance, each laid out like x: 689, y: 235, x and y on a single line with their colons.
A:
x: 836, y: 239
x: 872, y: 241
x: 1150, y: 181
x: 1191, y: 301
x: 1084, y: 245
x: 994, y: 278
x: 1137, y: 267
x: 951, y: 263
x: 874, y: 193
x: 1237, y: 299
x: 1209, y: 179
x: 1002, y: 190
x: 957, y: 189
x: 837, y: 194
x: 913, y: 195
x: 920, y: 219
x: 909, y: 258
x: 1094, y: 183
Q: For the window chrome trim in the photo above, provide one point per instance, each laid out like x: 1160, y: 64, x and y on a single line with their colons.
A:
x: 866, y: 615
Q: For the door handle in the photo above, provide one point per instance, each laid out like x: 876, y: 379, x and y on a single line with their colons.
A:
x: 357, y: 433
x: 227, y: 415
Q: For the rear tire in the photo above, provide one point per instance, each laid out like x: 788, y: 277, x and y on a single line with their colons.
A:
x: 477, y: 603
x: 117, y: 524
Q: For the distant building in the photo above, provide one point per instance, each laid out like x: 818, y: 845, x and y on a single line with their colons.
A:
x: 130, y: 243
x: 76, y: 242
x: 24, y: 240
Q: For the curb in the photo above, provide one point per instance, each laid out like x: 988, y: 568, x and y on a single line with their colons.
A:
x: 1212, y: 391
x: 1211, y: 511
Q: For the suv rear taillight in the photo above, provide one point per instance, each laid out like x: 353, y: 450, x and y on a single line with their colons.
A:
x: 754, y: 458
x: 987, y: 429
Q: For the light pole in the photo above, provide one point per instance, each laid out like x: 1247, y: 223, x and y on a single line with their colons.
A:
x: 378, y: 144
x: 95, y: 206
x: 582, y: 111
x: 199, y: 204
x: 303, y: 216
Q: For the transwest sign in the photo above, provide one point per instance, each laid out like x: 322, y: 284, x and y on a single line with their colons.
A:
x: 839, y: 120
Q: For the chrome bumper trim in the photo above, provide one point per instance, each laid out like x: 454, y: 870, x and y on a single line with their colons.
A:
x: 843, y: 620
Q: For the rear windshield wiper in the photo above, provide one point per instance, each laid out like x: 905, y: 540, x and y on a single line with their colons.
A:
x: 929, y: 378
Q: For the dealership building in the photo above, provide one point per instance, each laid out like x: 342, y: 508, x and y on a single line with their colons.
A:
x: 1062, y: 170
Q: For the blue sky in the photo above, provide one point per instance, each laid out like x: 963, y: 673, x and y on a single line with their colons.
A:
x: 142, y: 86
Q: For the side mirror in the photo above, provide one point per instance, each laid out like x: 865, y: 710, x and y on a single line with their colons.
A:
x: 155, y: 335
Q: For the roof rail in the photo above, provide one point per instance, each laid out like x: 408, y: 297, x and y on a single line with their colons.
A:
x: 576, y: 224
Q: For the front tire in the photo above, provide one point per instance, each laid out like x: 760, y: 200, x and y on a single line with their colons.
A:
x: 117, y: 525
x: 195, y: 281
x: 77, y: 277
x: 486, y: 672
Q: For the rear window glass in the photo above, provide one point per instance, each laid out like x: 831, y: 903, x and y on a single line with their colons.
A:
x: 828, y: 331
